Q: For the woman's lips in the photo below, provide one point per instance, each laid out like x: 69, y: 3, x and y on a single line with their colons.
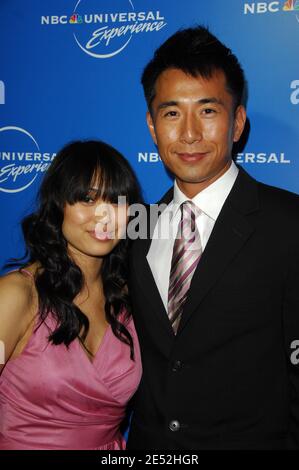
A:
x: 103, y: 236
x: 192, y: 157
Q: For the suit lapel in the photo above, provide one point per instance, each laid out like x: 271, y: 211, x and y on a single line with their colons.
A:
x: 231, y: 231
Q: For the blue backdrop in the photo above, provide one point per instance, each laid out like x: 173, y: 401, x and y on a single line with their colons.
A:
x: 71, y: 69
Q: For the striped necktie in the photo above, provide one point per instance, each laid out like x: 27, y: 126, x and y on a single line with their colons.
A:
x: 187, y: 251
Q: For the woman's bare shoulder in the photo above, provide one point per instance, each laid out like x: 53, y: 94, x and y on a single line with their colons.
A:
x: 18, y: 307
x: 17, y: 292
x: 17, y: 284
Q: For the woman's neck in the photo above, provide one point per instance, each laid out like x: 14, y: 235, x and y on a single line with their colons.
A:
x: 90, y: 267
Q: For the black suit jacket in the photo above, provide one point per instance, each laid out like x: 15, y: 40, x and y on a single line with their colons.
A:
x: 225, y: 381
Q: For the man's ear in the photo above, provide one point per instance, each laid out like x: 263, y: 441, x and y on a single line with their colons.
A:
x: 239, y: 122
x: 150, y: 124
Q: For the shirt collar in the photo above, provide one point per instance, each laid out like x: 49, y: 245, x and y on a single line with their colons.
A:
x: 211, y: 199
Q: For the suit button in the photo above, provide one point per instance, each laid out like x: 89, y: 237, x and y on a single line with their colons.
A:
x: 177, y: 365
x: 174, y: 425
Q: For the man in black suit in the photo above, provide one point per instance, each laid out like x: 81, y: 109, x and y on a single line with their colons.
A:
x: 217, y: 368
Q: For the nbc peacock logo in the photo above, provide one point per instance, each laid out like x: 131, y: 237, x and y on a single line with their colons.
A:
x: 76, y: 19
x: 291, y: 5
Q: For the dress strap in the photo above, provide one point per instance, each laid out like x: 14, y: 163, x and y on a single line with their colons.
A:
x: 23, y: 270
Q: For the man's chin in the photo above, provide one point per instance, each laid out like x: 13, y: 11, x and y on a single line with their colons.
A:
x: 192, y: 179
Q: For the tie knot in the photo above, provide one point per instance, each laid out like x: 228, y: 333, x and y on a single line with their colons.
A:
x: 189, y: 209
x: 189, y: 212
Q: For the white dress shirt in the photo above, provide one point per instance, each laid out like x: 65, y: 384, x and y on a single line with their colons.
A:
x: 210, y: 200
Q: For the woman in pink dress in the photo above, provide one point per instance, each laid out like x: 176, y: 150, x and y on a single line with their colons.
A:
x: 72, y: 359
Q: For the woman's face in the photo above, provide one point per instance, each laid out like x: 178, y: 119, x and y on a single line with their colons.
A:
x: 94, y: 227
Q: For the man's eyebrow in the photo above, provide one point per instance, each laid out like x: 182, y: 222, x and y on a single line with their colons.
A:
x: 213, y: 100
x: 165, y: 104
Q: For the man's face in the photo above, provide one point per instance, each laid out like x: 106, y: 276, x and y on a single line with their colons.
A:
x: 194, y: 125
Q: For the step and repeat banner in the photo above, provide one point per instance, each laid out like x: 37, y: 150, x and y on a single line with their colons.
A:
x: 70, y: 69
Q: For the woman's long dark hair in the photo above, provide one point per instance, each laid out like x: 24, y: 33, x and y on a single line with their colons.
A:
x: 59, y: 279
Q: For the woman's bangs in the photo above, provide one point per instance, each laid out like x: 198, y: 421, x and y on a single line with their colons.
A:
x: 110, y: 182
x: 97, y: 175
x: 82, y: 182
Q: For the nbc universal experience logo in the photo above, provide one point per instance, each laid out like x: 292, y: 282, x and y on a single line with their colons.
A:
x: 104, y: 34
x: 21, y: 162
x: 272, y: 7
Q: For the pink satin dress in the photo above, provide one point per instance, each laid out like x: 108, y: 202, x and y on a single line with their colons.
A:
x: 54, y: 397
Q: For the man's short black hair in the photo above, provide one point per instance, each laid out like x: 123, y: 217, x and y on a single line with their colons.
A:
x: 196, y: 52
